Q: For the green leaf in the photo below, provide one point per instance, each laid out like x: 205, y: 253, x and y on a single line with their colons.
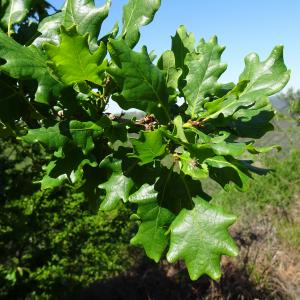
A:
x: 144, y: 195
x: 227, y: 104
x: 77, y: 133
x: 137, y: 13
x: 256, y: 127
x: 158, y: 204
x: 258, y: 81
x: 64, y: 169
x: 224, y: 171
x: 72, y: 61
x: 15, y: 12
x: 256, y: 150
x: 199, y: 237
x: 176, y: 190
x: 50, y: 137
x: 117, y: 186
x: 143, y: 84
x: 178, y: 123
x: 149, y: 146
x: 217, y: 148
x: 182, y: 44
x: 205, y: 69
x: 221, y: 148
x: 233, y: 149
x: 27, y: 63
x: 81, y: 13
x: 152, y: 231
x: 267, y: 77
x: 201, y: 145
x: 155, y: 220
x: 190, y: 166
x: 167, y: 64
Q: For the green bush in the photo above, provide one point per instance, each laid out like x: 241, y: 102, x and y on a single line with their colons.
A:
x: 19, y: 167
x: 51, y: 242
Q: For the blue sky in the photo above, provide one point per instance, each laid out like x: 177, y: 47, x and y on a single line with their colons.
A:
x: 243, y: 26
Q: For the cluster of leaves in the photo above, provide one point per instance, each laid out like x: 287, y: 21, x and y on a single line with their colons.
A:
x: 51, y: 243
x: 20, y: 165
x: 57, y: 87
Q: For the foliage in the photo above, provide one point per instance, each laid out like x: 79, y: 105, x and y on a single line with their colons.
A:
x: 292, y: 99
x: 19, y: 167
x: 157, y: 162
x: 51, y: 242
x: 277, y: 188
x: 268, y: 228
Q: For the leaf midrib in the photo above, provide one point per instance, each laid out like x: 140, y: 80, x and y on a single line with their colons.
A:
x: 131, y: 15
x: 201, y: 82
x: 9, y: 18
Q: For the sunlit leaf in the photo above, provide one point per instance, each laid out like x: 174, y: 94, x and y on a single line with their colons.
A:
x: 137, y: 13
x: 79, y: 64
x: 81, y: 13
x: 199, y: 237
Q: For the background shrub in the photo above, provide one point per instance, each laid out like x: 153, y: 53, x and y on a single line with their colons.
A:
x: 51, y: 242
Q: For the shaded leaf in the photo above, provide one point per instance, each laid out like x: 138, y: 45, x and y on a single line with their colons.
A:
x: 15, y: 12
x: 176, y: 190
x: 143, y: 85
x: 13, y: 104
x: 155, y: 221
x: 64, y: 169
x: 224, y: 171
x: 28, y: 63
x: 182, y: 44
x: 117, y: 186
x: 256, y: 127
x: 78, y: 133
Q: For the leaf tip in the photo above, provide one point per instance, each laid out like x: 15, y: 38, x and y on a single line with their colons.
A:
x: 213, y: 39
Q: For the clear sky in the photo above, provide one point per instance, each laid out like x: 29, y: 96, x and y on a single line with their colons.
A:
x: 243, y: 26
